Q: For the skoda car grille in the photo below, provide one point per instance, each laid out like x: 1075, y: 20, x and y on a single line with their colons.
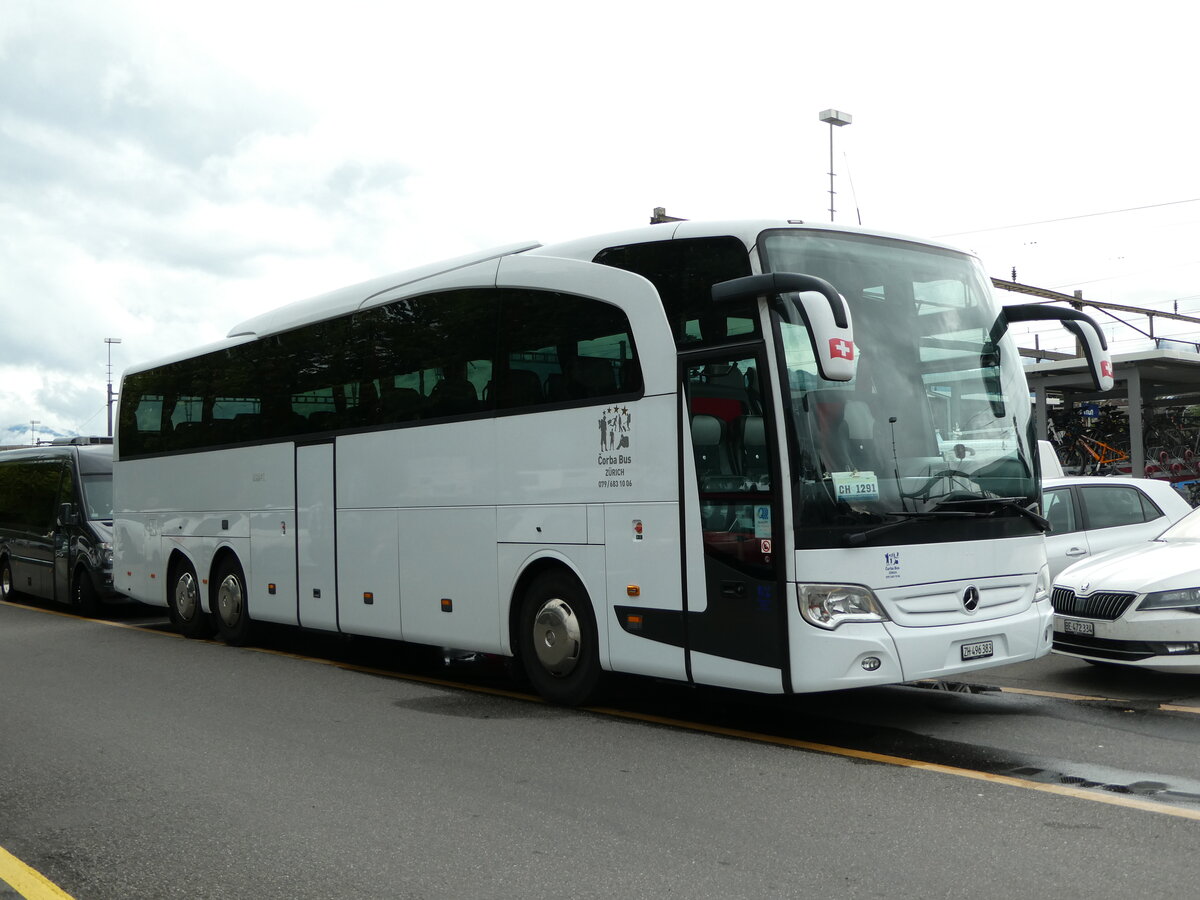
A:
x: 1092, y: 606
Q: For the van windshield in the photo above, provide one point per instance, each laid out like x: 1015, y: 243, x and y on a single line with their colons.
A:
x: 98, y: 496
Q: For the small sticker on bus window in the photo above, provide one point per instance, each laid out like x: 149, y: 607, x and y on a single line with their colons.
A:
x: 856, y: 486
x: 762, y: 521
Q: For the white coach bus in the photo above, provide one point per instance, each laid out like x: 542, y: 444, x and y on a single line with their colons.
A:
x: 765, y: 455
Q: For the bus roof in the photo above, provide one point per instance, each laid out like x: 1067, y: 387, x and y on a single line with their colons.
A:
x: 748, y: 230
x: 348, y: 299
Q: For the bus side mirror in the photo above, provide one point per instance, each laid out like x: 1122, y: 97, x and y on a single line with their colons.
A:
x: 1095, y: 347
x: 67, y: 515
x: 808, y: 299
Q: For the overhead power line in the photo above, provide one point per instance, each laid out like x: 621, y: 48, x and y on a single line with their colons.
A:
x: 1110, y: 212
x: 1078, y: 300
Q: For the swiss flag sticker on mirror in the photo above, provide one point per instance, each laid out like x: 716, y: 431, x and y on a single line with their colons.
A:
x: 840, y: 348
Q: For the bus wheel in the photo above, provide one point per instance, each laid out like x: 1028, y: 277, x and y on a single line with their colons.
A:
x: 83, y: 594
x: 183, y: 603
x: 6, y: 582
x: 229, y: 604
x: 557, y: 639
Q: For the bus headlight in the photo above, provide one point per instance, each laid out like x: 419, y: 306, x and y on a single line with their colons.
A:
x: 830, y: 605
x: 106, y: 556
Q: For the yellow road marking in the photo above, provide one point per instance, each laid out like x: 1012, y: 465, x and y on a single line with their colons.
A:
x: 1171, y: 707
x: 29, y: 883
x: 1061, y: 790
x: 1162, y: 707
x: 1059, y: 695
x: 1084, y: 698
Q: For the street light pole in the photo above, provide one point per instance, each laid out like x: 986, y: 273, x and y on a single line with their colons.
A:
x: 838, y: 118
x: 111, y: 395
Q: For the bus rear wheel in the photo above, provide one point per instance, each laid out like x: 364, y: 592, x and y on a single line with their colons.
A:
x: 183, y: 603
x: 557, y: 639
x: 229, y: 604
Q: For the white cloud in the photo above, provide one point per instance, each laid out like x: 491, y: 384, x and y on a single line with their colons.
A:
x: 167, y: 170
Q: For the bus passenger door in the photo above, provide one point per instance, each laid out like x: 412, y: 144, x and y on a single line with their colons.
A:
x: 315, y: 537
x: 736, y: 622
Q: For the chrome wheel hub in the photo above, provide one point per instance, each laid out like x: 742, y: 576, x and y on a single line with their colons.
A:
x: 229, y: 601
x: 187, y: 598
x: 556, y: 638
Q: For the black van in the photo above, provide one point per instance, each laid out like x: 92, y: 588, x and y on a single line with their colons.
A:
x: 56, y: 524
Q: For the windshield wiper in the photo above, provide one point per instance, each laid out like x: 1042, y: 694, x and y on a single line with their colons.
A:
x: 1006, y: 503
x: 858, y: 537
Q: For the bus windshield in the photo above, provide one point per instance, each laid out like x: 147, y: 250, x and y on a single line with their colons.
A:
x: 933, y: 432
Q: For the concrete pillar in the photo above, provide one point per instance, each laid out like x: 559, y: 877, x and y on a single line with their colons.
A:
x: 1137, y: 440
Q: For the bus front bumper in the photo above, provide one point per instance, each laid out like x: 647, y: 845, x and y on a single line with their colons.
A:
x: 859, y: 655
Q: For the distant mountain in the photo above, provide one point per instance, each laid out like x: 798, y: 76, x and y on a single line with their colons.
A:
x: 19, y: 435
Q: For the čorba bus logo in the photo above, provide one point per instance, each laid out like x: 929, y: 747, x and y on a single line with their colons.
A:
x: 616, y: 432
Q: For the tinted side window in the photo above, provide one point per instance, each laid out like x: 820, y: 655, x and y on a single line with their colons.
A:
x: 437, y: 356
x: 428, y: 357
x: 1150, y: 512
x: 558, y: 348
x: 66, y: 485
x: 1106, y: 507
x: 1060, y: 511
x: 8, y: 494
x: 28, y: 492
x: 683, y: 272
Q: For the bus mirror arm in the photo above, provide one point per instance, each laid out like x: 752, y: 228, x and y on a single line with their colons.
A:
x: 810, y: 299
x: 774, y: 284
x: 1083, y: 326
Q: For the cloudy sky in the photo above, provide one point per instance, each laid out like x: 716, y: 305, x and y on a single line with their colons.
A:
x: 168, y: 169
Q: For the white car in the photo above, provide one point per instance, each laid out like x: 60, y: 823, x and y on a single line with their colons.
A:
x: 1139, y: 606
x: 1090, y: 515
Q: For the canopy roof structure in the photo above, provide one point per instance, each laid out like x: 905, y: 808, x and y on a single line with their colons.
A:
x: 1150, y: 378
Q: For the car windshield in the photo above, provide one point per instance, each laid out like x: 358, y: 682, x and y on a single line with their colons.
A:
x: 1186, y: 529
x: 938, y: 412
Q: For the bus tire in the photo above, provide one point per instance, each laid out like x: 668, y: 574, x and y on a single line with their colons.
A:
x: 83, y: 594
x: 183, y: 603
x: 230, y: 609
x: 6, y: 580
x: 557, y: 639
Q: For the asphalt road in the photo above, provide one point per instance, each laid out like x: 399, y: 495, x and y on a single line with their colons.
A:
x: 135, y: 764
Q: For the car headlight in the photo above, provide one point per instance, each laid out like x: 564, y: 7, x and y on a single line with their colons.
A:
x: 1182, y: 598
x: 831, y: 605
x: 1041, y: 590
